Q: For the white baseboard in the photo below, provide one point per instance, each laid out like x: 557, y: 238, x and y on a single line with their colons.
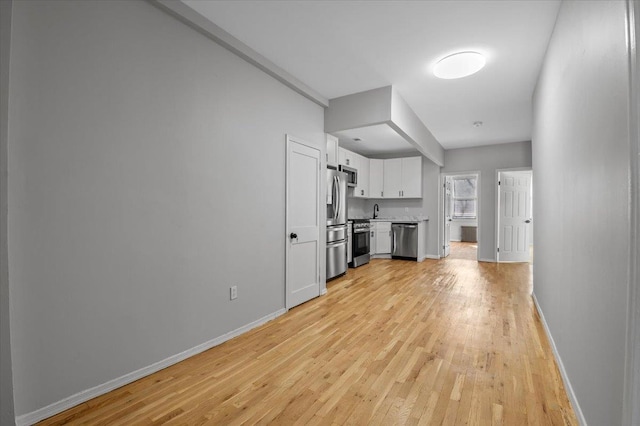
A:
x: 83, y: 396
x: 323, y: 291
x: 487, y: 260
x: 432, y: 256
x: 565, y: 378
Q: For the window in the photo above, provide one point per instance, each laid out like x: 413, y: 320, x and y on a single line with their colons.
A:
x: 465, y: 197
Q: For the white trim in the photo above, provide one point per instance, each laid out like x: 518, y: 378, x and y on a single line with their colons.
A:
x: 431, y: 256
x: 631, y: 401
x: 497, y: 206
x: 323, y: 291
x: 478, y: 218
x: 203, y: 25
x: 321, y: 271
x: 85, y: 395
x: 487, y: 260
x: 563, y: 372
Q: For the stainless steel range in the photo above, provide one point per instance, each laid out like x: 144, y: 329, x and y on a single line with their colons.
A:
x: 361, y: 243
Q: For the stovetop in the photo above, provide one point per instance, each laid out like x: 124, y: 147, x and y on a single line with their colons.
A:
x: 361, y: 223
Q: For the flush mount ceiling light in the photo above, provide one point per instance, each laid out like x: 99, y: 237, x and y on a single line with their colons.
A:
x: 477, y: 123
x: 459, y: 65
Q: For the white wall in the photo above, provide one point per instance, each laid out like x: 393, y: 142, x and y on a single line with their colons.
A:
x: 581, y: 201
x: 6, y: 376
x: 146, y: 176
x: 486, y: 160
x: 456, y: 227
x: 406, y: 122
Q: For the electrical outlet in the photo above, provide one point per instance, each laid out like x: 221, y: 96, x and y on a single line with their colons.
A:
x: 234, y: 292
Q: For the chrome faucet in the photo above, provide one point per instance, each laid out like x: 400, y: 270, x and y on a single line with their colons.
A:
x: 376, y: 210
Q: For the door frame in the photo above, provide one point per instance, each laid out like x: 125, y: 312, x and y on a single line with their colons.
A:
x: 322, y: 220
x: 497, y: 201
x: 631, y: 400
x: 441, y: 208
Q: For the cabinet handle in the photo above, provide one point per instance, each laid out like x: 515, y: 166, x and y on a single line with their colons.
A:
x: 382, y: 193
x: 399, y: 193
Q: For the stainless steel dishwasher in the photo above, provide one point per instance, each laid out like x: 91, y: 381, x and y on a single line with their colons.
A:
x: 404, y: 241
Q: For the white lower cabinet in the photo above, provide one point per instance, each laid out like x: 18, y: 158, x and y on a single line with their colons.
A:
x: 382, y: 237
x: 382, y: 233
x: 372, y: 239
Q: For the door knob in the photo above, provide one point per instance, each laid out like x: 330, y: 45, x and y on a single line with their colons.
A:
x: 293, y: 235
x: 527, y: 221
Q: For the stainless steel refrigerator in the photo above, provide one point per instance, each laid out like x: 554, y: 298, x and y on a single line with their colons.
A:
x: 336, y: 223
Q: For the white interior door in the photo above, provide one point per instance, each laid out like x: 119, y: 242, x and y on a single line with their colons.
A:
x: 514, y: 220
x: 303, y: 222
x: 446, y: 203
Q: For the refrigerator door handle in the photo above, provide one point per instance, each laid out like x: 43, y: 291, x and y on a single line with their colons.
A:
x: 338, y: 203
x: 334, y: 192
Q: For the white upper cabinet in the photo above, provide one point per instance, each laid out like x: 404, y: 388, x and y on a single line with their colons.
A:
x: 393, y: 178
x: 376, y: 178
x: 346, y: 157
x: 362, y: 188
x: 412, y: 177
x: 403, y: 178
x: 332, y: 150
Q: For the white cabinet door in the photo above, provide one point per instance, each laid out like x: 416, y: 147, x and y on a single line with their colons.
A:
x: 411, y: 177
x: 383, y: 237
x: 362, y: 164
x: 376, y: 178
x: 346, y: 157
x: 342, y: 156
x: 392, y: 178
x: 372, y: 239
x: 332, y: 150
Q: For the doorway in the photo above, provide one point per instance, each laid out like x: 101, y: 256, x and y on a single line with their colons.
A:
x: 460, y: 212
x: 515, y: 221
x: 303, y: 249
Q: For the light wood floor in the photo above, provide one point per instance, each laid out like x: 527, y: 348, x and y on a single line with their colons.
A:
x: 463, y: 250
x: 393, y: 342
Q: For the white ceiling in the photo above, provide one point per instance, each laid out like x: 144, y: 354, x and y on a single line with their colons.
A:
x: 344, y: 47
x: 377, y: 140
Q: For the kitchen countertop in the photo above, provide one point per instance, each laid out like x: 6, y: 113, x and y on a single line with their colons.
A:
x: 403, y: 219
